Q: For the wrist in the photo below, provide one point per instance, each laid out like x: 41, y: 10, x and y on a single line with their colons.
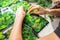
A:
x: 49, y: 11
x: 46, y: 11
x: 20, y: 15
x: 19, y: 18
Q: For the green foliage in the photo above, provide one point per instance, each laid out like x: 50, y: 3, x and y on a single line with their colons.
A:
x: 25, y: 4
x: 4, y: 3
x: 35, y: 22
x: 44, y: 3
x: 28, y: 34
x: 1, y: 36
x: 31, y: 0
x: 6, y: 19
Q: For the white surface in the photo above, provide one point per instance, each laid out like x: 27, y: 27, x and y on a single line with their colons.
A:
x: 47, y: 30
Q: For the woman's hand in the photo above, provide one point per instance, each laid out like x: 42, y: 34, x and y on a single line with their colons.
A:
x: 41, y: 9
x: 20, y: 12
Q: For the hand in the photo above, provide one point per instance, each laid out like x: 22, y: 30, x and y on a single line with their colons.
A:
x: 41, y: 9
x: 20, y: 12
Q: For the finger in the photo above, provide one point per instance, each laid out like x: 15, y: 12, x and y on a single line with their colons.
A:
x: 30, y: 7
x: 33, y: 8
x: 36, y: 12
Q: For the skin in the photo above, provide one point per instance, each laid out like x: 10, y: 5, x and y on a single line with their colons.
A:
x: 16, y: 33
x: 54, y: 0
x: 55, y: 12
